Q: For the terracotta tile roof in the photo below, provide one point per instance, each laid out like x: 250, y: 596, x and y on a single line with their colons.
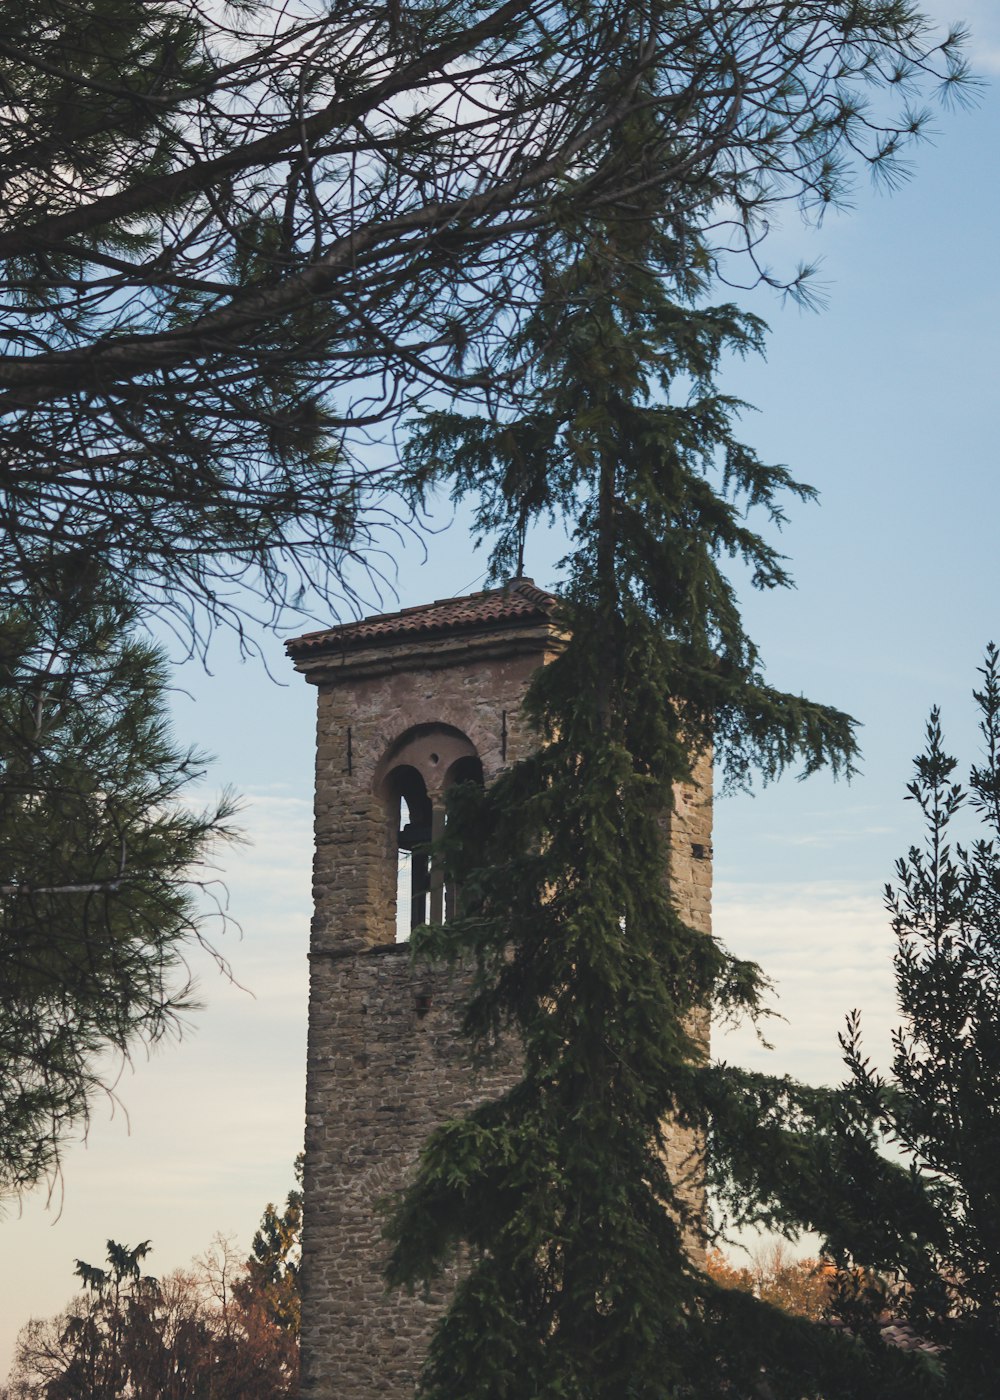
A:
x: 518, y: 601
x: 902, y: 1335
x: 895, y: 1333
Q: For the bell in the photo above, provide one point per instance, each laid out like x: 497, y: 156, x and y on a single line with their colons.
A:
x: 413, y: 835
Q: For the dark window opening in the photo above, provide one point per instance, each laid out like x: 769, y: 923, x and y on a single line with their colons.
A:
x: 417, y: 821
x: 413, y: 819
x: 467, y: 769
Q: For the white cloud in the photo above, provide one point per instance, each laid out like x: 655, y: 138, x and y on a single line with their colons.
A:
x: 828, y: 949
x: 823, y: 838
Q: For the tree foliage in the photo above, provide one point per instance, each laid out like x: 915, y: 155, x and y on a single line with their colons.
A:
x: 103, y: 878
x: 211, y: 1332
x: 938, y: 1106
x: 238, y: 241
x: 800, y: 1286
x: 897, y: 1169
x: 581, y: 1279
x: 272, y: 1270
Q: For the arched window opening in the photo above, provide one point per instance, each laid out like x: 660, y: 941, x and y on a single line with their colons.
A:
x: 413, y: 780
x: 467, y: 769
x: 412, y: 817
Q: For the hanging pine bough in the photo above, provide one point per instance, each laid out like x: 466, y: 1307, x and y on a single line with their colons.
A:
x: 579, y: 1283
x: 237, y: 241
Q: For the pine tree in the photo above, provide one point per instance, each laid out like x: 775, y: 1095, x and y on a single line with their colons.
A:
x: 102, y: 858
x: 237, y: 242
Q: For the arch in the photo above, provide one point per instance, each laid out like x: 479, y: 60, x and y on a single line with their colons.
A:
x: 412, y: 779
x: 410, y: 816
x: 432, y: 749
x: 466, y: 769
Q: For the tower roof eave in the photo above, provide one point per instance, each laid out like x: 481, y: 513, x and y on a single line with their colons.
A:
x: 518, y: 603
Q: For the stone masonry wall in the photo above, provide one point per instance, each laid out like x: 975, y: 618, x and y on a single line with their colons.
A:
x: 690, y: 880
x: 358, y: 720
x: 385, y: 1063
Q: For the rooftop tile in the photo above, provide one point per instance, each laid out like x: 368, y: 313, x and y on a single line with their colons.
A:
x: 519, y: 600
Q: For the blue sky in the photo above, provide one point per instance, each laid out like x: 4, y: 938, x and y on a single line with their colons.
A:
x: 888, y: 402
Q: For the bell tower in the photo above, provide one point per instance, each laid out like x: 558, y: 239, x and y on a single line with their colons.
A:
x: 408, y: 703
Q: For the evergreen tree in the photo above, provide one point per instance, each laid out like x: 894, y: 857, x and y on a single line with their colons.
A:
x: 580, y: 1282
x: 938, y: 1108
x: 103, y: 1338
x: 102, y: 857
x: 898, y: 1171
x: 272, y: 1270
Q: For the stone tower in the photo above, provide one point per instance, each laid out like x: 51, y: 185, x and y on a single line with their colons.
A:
x: 408, y: 703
